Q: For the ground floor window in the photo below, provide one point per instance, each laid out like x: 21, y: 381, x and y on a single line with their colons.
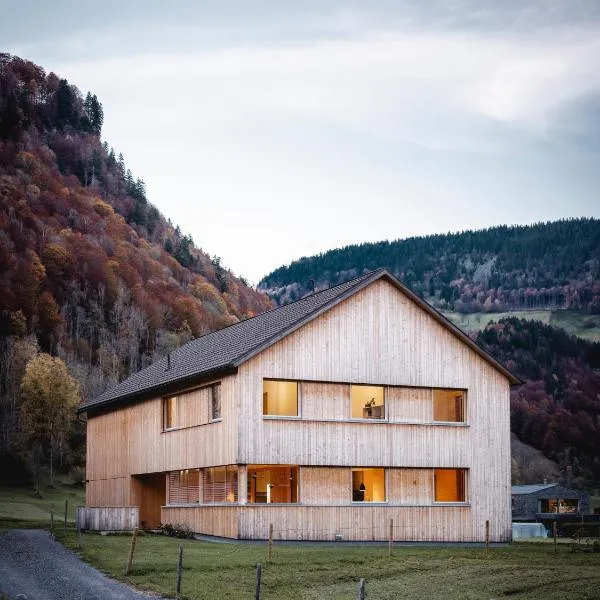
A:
x: 272, y: 484
x: 368, y: 485
x: 450, y: 485
x: 184, y: 486
x: 220, y: 484
x: 559, y: 505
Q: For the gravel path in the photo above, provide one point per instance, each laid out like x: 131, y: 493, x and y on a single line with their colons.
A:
x: 35, y: 567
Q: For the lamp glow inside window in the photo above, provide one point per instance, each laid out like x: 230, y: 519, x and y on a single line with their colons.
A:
x: 367, y: 402
x: 280, y: 398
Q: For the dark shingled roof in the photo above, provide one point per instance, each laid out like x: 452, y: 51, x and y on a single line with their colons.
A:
x: 222, y: 351
x: 523, y: 490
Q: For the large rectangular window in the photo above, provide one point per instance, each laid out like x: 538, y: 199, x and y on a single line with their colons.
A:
x: 280, y: 398
x: 220, y: 484
x: 368, y: 485
x: 170, y: 412
x: 450, y: 485
x: 184, y: 487
x: 272, y: 484
x: 449, y: 406
x: 367, y: 402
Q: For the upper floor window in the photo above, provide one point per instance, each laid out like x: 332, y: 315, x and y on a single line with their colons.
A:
x: 449, y: 406
x: 170, y: 412
x: 450, y: 485
x: 368, y: 485
x: 280, y: 398
x: 367, y: 402
x: 215, y: 402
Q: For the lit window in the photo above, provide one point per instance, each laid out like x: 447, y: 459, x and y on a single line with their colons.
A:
x: 272, y: 484
x: 449, y: 406
x: 220, y: 484
x: 450, y: 485
x: 280, y: 398
x: 367, y: 402
x: 368, y: 485
x: 170, y: 412
x: 215, y: 407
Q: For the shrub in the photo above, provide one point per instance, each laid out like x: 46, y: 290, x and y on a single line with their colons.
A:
x: 178, y: 530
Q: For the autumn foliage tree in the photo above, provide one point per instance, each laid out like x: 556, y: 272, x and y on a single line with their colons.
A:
x: 49, y: 397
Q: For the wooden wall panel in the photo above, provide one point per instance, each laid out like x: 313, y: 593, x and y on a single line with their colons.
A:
x: 130, y: 441
x: 410, y: 486
x: 324, y: 400
x: 409, y: 404
x: 220, y: 520
x: 322, y: 485
x: 380, y: 337
x: 108, y: 492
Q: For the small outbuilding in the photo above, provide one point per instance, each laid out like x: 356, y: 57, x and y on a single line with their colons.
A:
x: 547, y: 502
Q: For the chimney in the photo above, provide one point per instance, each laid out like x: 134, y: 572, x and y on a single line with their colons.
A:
x: 168, y: 361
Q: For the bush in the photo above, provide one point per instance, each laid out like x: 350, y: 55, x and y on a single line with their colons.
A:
x: 178, y: 530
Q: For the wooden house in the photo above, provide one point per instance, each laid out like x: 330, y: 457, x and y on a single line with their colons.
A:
x: 326, y: 417
x: 547, y: 502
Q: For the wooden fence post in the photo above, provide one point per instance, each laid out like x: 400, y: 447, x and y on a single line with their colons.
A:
x: 391, y: 541
x: 52, y: 517
x: 179, y: 572
x: 555, y: 536
x: 487, y: 537
x: 270, y: 543
x: 361, y: 590
x: 66, y: 512
x: 258, y: 577
x: 131, y: 551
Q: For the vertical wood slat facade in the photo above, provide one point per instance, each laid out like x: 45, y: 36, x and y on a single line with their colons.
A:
x: 379, y: 337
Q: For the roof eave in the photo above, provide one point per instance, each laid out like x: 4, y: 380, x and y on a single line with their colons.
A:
x: 159, y: 390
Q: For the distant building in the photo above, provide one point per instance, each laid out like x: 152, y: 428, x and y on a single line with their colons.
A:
x: 547, y: 502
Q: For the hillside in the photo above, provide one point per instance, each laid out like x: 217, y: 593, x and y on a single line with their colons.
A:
x: 544, y: 266
x: 557, y: 410
x: 90, y: 271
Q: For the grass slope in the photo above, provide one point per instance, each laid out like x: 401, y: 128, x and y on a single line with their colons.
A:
x: 21, y: 507
x: 582, y: 325
x: 215, y: 570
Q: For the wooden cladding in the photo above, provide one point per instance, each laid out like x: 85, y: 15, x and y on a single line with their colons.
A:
x: 190, y: 409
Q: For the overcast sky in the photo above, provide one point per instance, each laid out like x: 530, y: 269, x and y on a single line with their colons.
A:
x: 272, y: 130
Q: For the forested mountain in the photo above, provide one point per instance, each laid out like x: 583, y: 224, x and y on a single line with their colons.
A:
x: 548, y: 265
x: 557, y: 410
x: 90, y: 271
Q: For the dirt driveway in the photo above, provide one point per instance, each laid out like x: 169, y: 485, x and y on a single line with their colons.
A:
x: 35, y: 567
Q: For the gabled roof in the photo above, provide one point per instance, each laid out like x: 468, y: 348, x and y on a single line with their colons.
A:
x: 221, y: 352
x: 521, y: 490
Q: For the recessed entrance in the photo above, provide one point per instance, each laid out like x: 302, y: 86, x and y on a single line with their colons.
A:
x: 148, y: 491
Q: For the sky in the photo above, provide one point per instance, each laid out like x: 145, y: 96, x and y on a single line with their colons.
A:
x: 271, y: 130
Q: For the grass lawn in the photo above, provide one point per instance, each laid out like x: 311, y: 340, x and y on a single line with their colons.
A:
x: 227, y: 570
x: 580, y: 324
x: 21, y: 507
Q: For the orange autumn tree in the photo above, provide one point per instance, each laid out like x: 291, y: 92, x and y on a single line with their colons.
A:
x: 49, y: 397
